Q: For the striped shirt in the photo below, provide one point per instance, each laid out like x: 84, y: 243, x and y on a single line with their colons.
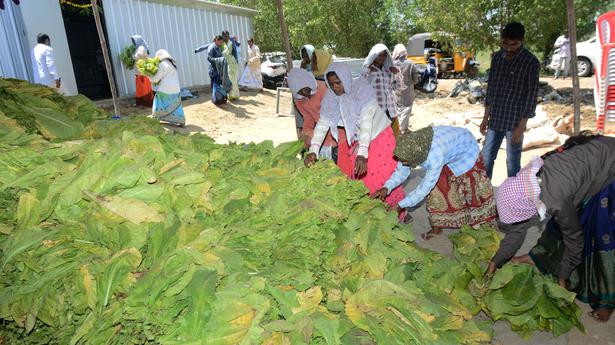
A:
x: 384, y: 83
x: 452, y: 146
x: 512, y: 89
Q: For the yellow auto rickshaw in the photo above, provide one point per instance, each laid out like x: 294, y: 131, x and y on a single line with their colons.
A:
x: 450, y: 62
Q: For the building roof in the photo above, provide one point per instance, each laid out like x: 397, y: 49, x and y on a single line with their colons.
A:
x: 209, y: 5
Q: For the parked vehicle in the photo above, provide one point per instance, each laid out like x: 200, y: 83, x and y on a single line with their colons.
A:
x: 428, y: 77
x: 451, y: 62
x: 587, y: 57
x: 273, y: 69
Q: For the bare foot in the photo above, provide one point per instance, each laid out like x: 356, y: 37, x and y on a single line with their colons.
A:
x: 431, y: 233
x: 406, y: 218
x: 601, y: 314
x: 523, y: 259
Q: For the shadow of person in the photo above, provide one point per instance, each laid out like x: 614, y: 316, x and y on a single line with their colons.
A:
x: 238, y: 111
x: 244, y: 101
x: 188, y: 129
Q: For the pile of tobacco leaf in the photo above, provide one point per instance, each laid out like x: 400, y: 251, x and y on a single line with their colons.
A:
x: 141, y: 237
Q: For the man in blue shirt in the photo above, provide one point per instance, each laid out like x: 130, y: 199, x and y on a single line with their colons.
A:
x: 511, y: 98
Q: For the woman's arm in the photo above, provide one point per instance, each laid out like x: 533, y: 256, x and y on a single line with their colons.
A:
x: 572, y: 235
x: 163, y: 70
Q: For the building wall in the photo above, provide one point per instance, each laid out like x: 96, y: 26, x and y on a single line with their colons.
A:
x: 179, y: 26
x: 45, y: 16
x: 13, y: 54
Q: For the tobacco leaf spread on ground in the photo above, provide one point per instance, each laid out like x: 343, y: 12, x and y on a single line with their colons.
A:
x: 141, y: 237
x: 40, y: 109
x: 516, y: 293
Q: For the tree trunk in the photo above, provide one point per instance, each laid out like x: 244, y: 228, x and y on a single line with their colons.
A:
x: 105, y: 51
x: 289, y: 54
x: 572, y: 35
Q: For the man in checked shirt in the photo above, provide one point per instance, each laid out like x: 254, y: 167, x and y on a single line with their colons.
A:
x: 511, y: 98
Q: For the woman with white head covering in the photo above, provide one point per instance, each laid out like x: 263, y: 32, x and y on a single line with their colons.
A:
x: 405, y: 87
x: 573, y: 188
x: 379, y: 70
x: 363, y: 132
x: 308, y: 94
x: 167, y: 102
x: 252, y: 77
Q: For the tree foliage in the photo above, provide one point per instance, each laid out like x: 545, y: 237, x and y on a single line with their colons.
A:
x: 477, y: 23
x: 352, y: 27
x: 345, y: 27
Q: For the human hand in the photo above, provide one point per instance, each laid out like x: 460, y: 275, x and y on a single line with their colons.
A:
x: 380, y: 194
x: 483, y: 126
x: 309, y: 159
x: 562, y: 283
x: 360, y: 166
x: 517, y: 134
x: 394, y: 69
x: 491, y: 269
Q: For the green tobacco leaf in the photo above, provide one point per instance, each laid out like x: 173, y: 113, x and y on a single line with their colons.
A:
x: 22, y: 241
x: 54, y: 125
x: 28, y: 211
x: 117, y: 275
x: 133, y: 210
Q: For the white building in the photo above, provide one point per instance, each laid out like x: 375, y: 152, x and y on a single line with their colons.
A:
x: 178, y: 26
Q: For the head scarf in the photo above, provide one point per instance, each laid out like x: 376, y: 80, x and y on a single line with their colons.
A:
x: 138, y: 41
x: 309, y: 49
x: 373, y: 54
x: 298, y: 79
x: 358, y: 93
x: 323, y: 59
x: 413, y: 147
x: 164, y: 55
x: 140, y: 53
x: 399, y: 51
x: 518, y: 197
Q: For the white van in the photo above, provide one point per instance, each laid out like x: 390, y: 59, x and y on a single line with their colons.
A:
x: 587, y: 55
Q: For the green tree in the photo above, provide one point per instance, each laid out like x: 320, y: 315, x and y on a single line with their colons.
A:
x: 352, y: 27
x: 477, y: 23
x: 345, y: 27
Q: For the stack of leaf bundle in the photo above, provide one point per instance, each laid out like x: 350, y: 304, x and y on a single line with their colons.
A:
x: 173, y: 239
x: 148, y: 66
x: 127, y: 56
x: 41, y: 109
x: 516, y: 293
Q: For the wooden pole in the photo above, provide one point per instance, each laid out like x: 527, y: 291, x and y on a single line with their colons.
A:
x: 285, y: 39
x: 572, y: 36
x: 105, y: 51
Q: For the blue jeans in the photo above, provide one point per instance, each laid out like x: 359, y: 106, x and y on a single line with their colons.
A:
x: 493, y: 141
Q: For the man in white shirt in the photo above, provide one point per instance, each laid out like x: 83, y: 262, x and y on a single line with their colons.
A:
x: 563, y: 44
x: 43, y: 63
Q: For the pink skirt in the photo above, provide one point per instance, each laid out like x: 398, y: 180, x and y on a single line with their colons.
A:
x: 380, y: 163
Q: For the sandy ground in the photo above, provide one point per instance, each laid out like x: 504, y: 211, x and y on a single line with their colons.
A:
x: 253, y: 118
